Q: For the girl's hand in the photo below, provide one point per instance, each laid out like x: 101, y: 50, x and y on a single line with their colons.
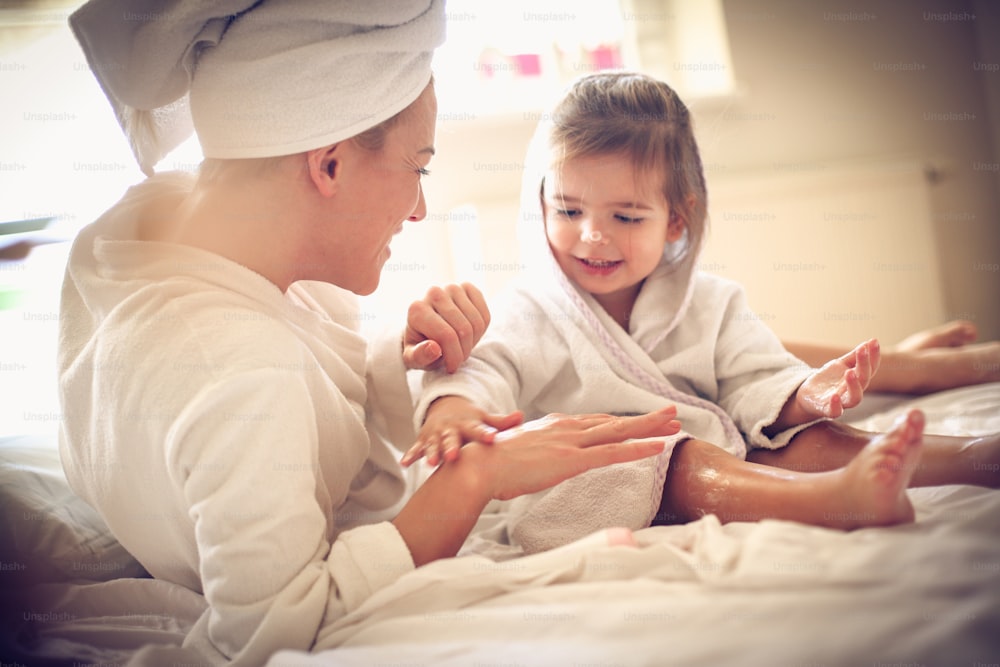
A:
x: 839, y: 384
x: 451, y: 422
x: 444, y: 326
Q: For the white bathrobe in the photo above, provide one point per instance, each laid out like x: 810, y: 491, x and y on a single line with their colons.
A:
x: 220, y: 428
x: 693, y: 341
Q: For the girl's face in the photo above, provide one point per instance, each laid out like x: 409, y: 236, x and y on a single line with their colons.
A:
x: 607, y: 225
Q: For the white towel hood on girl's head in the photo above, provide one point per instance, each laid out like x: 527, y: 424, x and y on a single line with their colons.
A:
x: 660, y: 305
x: 256, y: 78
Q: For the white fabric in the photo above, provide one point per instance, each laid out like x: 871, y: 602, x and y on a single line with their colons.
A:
x: 766, y: 593
x: 727, y: 374
x: 256, y: 78
x: 693, y: 341
x: 219, y: 428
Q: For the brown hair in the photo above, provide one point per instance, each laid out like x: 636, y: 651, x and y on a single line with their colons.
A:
x: 632, y: 114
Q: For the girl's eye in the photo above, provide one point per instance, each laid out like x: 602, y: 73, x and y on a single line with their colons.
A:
x: 567, y: 212
x: 423, y: 172
x: 626, y: 219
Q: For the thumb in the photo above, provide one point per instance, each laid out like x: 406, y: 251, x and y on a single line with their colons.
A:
x: 504, y: 422
x: 422, y: 355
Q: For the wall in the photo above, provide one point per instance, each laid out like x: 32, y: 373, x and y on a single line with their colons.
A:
x: 824, y: 88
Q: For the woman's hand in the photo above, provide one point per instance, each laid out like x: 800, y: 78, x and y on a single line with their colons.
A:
x: 444, y: 326
x: 535, y: 456
x: 839, y: 384
x: 451, y: 422
x: 547, y: 451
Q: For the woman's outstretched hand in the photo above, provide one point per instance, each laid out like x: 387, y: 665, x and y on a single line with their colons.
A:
x: 544, y: 452
x: 535, y: 456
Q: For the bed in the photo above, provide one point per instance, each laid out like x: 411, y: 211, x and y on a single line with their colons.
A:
x: 767, y: 593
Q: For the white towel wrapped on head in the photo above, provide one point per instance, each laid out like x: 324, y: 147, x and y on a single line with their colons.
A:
x: 256, y: 78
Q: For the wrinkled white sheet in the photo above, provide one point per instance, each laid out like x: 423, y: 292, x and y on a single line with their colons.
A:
x: 768, y: 593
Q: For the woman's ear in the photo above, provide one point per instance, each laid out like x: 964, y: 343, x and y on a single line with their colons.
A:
x: 324, y: 168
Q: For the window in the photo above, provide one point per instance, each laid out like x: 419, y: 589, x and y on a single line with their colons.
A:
x: 518, y: 55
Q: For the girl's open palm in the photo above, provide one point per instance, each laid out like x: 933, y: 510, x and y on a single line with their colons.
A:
x: 841, y: 383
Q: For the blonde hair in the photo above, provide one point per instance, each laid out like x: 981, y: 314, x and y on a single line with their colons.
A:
x: 632, y: 114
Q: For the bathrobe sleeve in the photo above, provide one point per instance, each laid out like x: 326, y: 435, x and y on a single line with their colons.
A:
x: 755, y: 374
x: 245, y: 464
x: 494, y: 375
x: 390, y: 403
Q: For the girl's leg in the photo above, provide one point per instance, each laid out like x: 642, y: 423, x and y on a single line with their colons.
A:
x: 943, y: 459
x: 869, y: 491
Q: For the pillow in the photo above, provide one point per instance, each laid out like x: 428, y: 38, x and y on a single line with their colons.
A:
x: 48, y: 533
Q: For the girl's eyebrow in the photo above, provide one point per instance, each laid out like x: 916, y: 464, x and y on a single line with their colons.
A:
x: 558, y: 196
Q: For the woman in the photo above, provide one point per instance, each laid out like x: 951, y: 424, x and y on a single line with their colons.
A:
x: 221, y: 411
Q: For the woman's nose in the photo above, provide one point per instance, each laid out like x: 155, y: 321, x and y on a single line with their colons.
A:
x: 420, y: 212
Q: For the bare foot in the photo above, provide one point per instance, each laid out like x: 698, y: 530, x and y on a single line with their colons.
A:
x: 950, y: 334
x: 875, y: 480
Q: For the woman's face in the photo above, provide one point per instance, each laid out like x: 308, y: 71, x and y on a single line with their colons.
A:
x: 379, y: 191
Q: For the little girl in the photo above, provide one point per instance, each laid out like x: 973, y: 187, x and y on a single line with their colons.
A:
x: 615, y: 318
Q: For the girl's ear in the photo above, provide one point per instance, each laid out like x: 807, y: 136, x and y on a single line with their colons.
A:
x: 675, y: 228
x: 324, y: 167
x: 677, y: 224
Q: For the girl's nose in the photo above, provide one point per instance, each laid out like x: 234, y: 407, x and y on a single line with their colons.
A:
x: 589, y: 233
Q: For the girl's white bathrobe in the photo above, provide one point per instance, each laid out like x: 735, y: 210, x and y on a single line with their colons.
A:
x: 222, y: 430
x: 693, y: 341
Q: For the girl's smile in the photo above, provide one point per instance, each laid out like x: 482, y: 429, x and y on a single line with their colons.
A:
x: 607, y: 226
x: 599, y: 267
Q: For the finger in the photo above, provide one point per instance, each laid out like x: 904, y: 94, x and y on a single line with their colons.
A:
x: 876, y: 356
x: 409, y: 457
x: 413, y: 453
x: 422, y: 356
x: 835, y: 407
x: 477, y: 431
x: 619, y: 452
x: 464, y: 319
x: 863, y: 368
x: 855, y: 391
x: 430, y: 319
x: 479, y: 301
x: 504, y: 422
x: 851, y: 358
x: 451, y: 445
x: 417, y: 316
x: 623, y: 428
x: 592, y: 420
x: 470, y: 301
x: 433, y: 452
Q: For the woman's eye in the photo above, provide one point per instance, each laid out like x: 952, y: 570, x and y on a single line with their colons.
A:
x: 423, y: 172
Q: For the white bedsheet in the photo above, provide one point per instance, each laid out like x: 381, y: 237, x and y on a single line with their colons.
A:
x: 768, y: 593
